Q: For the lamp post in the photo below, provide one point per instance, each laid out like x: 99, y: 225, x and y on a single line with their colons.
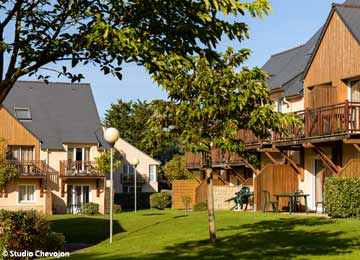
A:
x: 135, y: 163
x: 111, y: 135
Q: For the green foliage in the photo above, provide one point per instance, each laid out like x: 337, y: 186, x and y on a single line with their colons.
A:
x: 211, y: 102
x: 103, y: 162
x: 117, y: 208
x: 175, y: 169
x: 90, y: 208
x: 108, y: 33
x: 160, y: 200
x: 7, y: 171
x: 28, y: 230
x: 130, y: 118
x: 201, y: 206
x: 342, y: 198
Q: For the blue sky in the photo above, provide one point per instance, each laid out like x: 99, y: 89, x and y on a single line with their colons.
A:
x: 291, y: 23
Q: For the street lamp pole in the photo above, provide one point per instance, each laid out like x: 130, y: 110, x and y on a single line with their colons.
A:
x: 111, y: 135
x: 135, y: 163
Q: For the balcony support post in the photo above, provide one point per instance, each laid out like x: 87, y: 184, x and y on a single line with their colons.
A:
x: 62, y: 184
x: 41, y: 188
x: 347, y: 115
x: 97, y: 188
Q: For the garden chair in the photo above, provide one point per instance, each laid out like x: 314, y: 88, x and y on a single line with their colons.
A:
x: 322, y: 204
x: 274, y: 203
x: 241, y: 198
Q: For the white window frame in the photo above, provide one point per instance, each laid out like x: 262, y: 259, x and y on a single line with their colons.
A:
x: 82, y: 191
x: 155, y: 179
x: 26, y: 201
x: 20, y: 148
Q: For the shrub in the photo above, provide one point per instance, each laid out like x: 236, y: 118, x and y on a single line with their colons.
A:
x: 90, y: 208
x: 117, y: 208
x: 201, y: 206
x: 342, y: 198
x: 160, y: 200
x: 126, y: 200
x: 27, y: 230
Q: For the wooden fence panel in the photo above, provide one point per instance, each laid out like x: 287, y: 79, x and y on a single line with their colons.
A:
x: 277, y: 179
x: 182, y: 189
x: 351, y: 169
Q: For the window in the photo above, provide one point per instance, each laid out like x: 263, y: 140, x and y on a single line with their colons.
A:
x: 20, y: 153
x: 26, y: 193
x: 152, y: 172
x: 22, y: 113
x: 279, y: 104
x: 79, y: 153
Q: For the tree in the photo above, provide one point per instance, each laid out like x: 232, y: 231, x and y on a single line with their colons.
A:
x: 130, y: 118
x: 175, y: 169
x: 36, y: 33
x: 210, y: 102
x: 104, y: 160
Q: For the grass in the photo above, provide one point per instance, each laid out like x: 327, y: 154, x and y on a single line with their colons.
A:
x: 150, y: 235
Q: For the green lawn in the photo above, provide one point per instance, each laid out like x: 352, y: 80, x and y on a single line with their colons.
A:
x: 151, y: 235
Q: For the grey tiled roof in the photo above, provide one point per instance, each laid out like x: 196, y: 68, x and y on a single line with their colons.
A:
x: 351, y: 18
x: 286, y: 68
x: 61, y: 112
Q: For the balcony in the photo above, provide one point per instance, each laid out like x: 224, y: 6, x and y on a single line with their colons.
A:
x: 30, y: 169
x: 130, y: 179
x: 79, y: 169
x: 323, y: 124
x: 327, y: 123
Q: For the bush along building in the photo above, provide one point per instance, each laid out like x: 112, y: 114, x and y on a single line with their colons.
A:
x: 320, y: 82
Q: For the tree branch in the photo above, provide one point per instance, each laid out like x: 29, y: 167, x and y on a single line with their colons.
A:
x: 16, y: 7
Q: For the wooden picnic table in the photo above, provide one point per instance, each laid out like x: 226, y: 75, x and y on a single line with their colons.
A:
x: 292, y: 197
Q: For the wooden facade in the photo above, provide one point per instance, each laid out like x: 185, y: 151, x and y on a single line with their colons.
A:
x: 181, y: 190
x: 15, y: 133
x: 276, y: 179
x: 336, y: 60
x: 351, y: 169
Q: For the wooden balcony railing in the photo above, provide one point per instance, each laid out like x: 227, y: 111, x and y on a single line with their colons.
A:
x: 30, y: 168
x: 79, y: 169
x: 130, y: 179
x: 322, y: 122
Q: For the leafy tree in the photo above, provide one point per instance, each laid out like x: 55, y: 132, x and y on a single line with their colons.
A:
x: 36, y: 33
x: 8, y: 172
x: 103, y: 162
x: 175, y: 169
x: 210, y: 102
x: 130, y: 118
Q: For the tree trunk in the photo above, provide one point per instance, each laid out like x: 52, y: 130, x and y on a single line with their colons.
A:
x: 211, y: 213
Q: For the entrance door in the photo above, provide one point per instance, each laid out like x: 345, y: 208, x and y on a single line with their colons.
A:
x: 320, y: 176
x: 76, y: 196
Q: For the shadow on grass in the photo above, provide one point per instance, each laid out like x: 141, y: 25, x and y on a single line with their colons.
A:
x: 153, y: 214
x: 88, y: 230
x: 273, y: 239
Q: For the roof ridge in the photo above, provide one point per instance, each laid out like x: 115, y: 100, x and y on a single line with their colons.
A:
x: 283, y: 52
x: 53, y: 82
x: 346, y: 5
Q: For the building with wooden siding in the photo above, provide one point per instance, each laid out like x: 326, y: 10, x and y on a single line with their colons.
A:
x: 320, y: 82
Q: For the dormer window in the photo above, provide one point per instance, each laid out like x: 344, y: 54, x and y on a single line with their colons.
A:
x: 22, y: 113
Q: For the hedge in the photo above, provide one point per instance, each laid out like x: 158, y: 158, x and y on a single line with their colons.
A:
x: 342, y: 197
x: 90, y: 208
x: 126, y: 200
